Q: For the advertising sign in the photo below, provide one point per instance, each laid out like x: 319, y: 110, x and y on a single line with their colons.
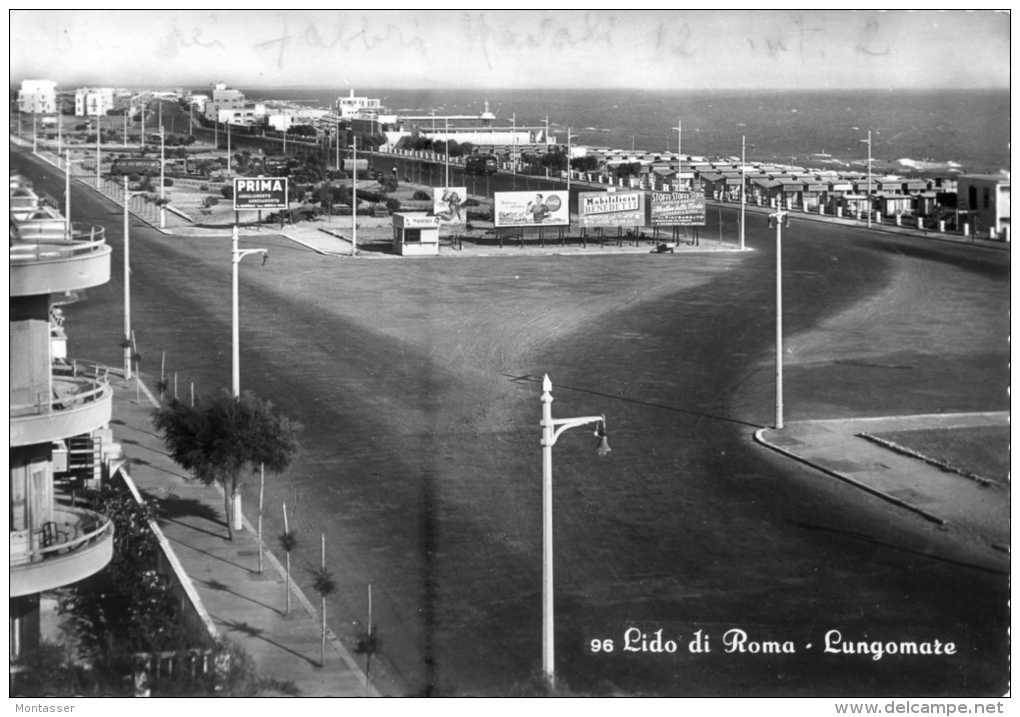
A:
x: 448, y: 204
x: 531, y: 209
x: 260, y: 193
x: 685, y: 209
x: 612, y: 209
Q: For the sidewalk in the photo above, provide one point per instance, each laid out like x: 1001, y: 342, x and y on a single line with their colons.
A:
x: 977, y: 511
x: 796, y: 214
x: 245, y: 607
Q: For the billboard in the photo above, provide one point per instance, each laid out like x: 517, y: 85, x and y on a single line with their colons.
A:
x: 260, y: 193
x: 612, y: 209
x: 685, y: 209
x: 448, y: 204
x: 531, y: 209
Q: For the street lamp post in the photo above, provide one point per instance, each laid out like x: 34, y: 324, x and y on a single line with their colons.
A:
x: 67, y: 193
x: 338, y: 143
x: 99, y: 161
x: 513, y: 153
x: 228, y: 148
x: 743, y: 187
x: 354, y: 196
x: 868, y: 142
x: 237, y: 256
x: 447, y: 134
x: 779, y: 218
x: 125, y: 128
x: 552, y: 428
x: 60, y: 134
x: 127, y: 278
x: 162, y: 177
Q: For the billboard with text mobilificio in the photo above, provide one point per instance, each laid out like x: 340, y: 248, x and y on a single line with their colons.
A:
x: 612, y: 209
x: 683, y: 209
x: 260, y: 193
x: 531, y: 209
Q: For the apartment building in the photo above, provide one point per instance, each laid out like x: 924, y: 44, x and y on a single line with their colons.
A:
x: 60, y: 412
x: 38, y: 96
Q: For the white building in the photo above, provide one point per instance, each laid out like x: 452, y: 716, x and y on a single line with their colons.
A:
x: 37, y: 96
x: 222, y: 99
x: 352, y: 106
x: 986, y: 198
x: 198, y: 102
x: 92, y: 101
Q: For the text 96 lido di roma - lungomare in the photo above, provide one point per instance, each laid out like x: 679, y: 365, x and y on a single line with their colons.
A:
x: 738, y: 641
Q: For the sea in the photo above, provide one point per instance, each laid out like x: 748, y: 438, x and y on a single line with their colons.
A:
x: 913, y: 131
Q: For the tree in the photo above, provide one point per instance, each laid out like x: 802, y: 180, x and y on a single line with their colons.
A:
x: 218, y: 437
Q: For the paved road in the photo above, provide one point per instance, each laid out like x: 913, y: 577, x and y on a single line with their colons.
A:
x: 418, y: 387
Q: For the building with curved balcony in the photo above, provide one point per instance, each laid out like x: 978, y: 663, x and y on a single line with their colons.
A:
x: 53, y: 405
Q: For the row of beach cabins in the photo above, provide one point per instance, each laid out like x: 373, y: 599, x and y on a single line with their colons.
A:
x: 975, y: 205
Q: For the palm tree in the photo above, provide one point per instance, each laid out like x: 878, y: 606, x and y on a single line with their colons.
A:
x: 218, y: 437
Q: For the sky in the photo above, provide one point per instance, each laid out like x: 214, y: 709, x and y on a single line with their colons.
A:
x: 472, y: 48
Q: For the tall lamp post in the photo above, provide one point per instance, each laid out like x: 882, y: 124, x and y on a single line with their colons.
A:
x: 868, y: 142
x: 552, y: 428
x: 743, y: 187
x: 780, y: 218
x: 446, y: 121
x: 127, y: 278
x: 99, y: 161
x: 237, y: 256
x: 354, y: 195
x: 67, y: 192
x: 162, y: 177
x: 35, y: 136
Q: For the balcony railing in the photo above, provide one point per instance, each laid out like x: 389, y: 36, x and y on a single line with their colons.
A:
x: 73, y: 386
x: 76, y: 543
x: 45, y: 260
x: 48, y: 241
x: 81, y: 401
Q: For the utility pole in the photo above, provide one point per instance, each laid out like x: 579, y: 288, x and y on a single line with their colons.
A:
x: 354, y: 199
x: 338, y: 142
x: 35, y: 137
x: 513, y: 146
x: 99, y: 134
x: 869, y: 179
x: 162, y: 177
x: 127, y: 281
x: 743, y: 187
x: 447, y: 132
x: 679, y: 144
x: 228, y: 150
x: 67, y: 193
x: 780, y: 217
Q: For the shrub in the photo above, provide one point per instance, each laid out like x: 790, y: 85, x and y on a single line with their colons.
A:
x: 393, y: 204
x: 210, y: 201
x: 422, y: 195
x: 167, y: 182
x: 227, y: 190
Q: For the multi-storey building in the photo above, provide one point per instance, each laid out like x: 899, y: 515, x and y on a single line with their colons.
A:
x: 223, y: 99
x: 92, y: 101
x: 59, y: 412
x: 38, y: 96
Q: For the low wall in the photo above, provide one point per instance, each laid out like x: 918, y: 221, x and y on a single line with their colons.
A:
x: 197, y: 622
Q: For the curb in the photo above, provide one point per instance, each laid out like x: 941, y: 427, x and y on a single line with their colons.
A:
x: 760, y: 438
x: 881, y: 228
x: 331, y: 637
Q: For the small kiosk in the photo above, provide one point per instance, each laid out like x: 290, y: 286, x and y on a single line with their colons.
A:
x: 415, y: 234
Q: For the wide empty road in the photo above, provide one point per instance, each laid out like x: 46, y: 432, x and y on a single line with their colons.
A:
x: 418, y: 386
